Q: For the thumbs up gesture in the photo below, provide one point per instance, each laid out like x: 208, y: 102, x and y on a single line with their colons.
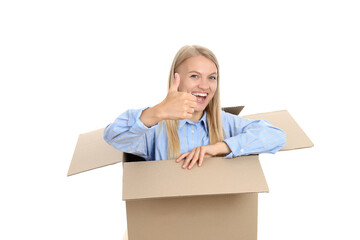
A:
x: 175, y: 85
x: 178, y: 105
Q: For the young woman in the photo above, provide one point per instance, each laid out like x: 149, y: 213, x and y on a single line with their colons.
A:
x: 188, y: 125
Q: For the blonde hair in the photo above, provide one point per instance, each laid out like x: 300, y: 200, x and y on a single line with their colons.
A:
x: 213, y: 109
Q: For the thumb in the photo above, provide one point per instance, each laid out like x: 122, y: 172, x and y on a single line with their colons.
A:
x: 175, y: 85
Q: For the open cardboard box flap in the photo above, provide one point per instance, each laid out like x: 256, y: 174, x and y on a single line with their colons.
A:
x: 93, y: 152
x: 295, y: 136
x: 216, y: 176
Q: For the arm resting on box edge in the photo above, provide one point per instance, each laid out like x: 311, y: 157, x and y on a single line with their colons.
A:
x: 245, y: 136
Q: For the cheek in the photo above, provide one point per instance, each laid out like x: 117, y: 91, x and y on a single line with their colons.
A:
x: 185, y: 86
x: 181, y: 87
x: 213, y: 87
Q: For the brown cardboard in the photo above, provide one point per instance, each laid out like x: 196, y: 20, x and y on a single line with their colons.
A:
x: 233, y: 110
x: 93, y: 152
x: 216, y: 176
x: 224, y: 217
x: 164, y: 201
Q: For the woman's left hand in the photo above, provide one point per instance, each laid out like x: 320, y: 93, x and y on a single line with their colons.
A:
x: 196, y: 155
x: 199, y: 153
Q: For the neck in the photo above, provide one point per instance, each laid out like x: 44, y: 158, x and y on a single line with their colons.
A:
x: 196, y: 116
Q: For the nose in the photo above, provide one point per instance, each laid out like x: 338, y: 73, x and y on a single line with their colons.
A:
x: 204, y: 83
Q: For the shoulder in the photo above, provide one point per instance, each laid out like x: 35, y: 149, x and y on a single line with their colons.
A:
x: 236, y: 121
x: 229, y: 117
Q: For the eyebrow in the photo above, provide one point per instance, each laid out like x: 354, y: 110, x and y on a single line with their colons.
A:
x: 200, y: 73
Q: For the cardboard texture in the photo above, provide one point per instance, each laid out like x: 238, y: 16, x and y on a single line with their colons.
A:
x: 139, y: 181
x: 230, y: 216
x: 163, y: 201
x: 92, y: 152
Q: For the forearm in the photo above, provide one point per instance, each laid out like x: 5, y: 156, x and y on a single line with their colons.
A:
x: 264, y: 138
x: 222, y: 148
x: 151, y: 116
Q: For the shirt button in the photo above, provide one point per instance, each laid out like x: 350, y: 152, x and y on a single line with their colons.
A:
x: 242, y: 150
x: 192, y: 131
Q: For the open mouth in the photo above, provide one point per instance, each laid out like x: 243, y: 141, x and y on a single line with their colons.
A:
x: 200, y: 97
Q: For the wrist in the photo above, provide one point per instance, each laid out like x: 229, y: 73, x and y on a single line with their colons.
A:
x: 150, y: 117
x: 158, y: 112
x: 222, y: 148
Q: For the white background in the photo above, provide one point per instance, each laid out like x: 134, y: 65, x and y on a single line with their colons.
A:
x: 70, y: 67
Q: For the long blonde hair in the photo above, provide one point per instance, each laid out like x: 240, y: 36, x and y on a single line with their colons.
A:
x: 213, y: 109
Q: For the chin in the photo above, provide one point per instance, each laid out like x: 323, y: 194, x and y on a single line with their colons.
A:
x: 200, y: 108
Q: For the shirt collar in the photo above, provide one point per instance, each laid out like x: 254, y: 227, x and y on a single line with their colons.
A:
x: 202, y: 121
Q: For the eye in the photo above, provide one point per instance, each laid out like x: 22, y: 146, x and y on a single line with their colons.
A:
x: 212, y: 78
x: 194, y: 76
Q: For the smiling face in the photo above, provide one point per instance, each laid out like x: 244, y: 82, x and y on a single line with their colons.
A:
x: 198, y: 76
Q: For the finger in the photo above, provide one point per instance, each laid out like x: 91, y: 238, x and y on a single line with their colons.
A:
x: 195, y: 158
x: 182, y: 156
x: 189, y: 106
x: 201, y: 157
x: 192, y: 104
x: 175, y: 84
x: 190, y: 110
x: 188, y: 158
x: 188, y: 116
x: 191, y: 97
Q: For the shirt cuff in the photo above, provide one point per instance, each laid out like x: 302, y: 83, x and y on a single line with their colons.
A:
x: 139, y: 126
x: 234, y: 147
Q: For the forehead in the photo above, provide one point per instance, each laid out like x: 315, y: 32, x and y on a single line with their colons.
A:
x: 198, y: 63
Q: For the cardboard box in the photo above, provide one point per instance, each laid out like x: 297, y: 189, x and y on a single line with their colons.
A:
x: 163, y: 201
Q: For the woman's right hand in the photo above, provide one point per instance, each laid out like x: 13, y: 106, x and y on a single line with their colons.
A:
x: 177, y: 105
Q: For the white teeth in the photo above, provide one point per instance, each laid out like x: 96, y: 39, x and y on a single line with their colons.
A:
x: 200, y: 94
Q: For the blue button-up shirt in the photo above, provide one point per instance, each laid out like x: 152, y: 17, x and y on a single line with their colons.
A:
x: 243, y: 136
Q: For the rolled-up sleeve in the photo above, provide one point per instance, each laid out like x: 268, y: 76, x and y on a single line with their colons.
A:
x: 245, y: 136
